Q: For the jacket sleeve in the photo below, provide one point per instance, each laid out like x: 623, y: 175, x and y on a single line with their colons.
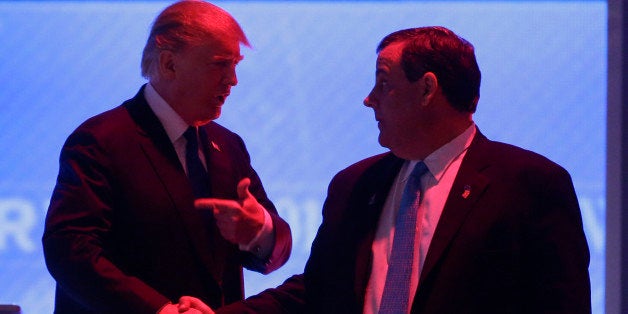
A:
x: 557, y: 255
x: 77, y: 233
x: 288, y: 298
x: 281, y: 230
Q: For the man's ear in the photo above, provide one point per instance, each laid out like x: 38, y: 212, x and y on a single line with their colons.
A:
x: 429, y: 83
x: 167, y: 64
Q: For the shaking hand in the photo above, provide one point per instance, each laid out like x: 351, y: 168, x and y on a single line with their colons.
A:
x: 189, y: 304
x: 186, y: 305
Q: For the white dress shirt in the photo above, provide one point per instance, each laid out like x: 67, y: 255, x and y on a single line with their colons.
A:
x: 443, y: 165
x: 262, y: 243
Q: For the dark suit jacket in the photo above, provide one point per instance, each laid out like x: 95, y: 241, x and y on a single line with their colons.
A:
x: 515, y: 244
x: 122, y: 234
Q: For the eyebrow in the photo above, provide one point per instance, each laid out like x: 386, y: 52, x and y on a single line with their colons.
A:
x: 382, y: 69
x: 229, y: 58
x: 382, y: 66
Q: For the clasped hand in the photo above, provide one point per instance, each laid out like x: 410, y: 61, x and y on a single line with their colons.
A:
x: 239, y: 220
x: 187, y: 305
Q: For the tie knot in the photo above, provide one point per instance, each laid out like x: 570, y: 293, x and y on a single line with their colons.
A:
x: 419, y: 170
x: 191, y: 136
x: 414, y: 179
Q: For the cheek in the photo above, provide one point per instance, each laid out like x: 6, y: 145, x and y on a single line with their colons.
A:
x: 202, y: 88
x: 190, y: 82
x: 400, y: 118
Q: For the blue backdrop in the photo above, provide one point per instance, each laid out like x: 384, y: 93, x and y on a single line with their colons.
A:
x: 298, y: 105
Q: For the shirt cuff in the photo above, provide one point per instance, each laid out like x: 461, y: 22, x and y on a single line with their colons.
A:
x: 263, y: 242
x: 161, y: 308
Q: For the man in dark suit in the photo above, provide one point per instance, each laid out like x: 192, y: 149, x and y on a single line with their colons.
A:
x: 122, y: 234
x: 497, y: 229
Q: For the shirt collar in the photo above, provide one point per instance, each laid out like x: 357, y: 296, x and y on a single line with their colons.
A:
x: 438, y: 161
x: 171, y: 121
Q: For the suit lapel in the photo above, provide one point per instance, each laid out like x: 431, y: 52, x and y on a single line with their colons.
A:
x: 372, y: 188
x: 220, y: 165
x: 222, y: 175
x: 467, y: 188
x: 163, y: 158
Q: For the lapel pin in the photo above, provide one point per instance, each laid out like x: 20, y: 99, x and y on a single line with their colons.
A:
x: 466, y: 192
x: 215, y: 146
x: 372, y: 200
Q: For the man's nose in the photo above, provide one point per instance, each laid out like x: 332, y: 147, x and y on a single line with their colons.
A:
x: 230, y: 77
x: 369, y: 100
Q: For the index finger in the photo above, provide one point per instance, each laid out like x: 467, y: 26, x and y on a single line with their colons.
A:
x: 221, y: 205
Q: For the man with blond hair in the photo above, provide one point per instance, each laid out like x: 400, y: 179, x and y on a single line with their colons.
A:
x: 122, y: 232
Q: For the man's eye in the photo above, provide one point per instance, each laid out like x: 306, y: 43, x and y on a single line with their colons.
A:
x: 383, y: 85
x: 221, y: 64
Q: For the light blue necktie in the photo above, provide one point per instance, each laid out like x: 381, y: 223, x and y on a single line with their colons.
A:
x: 397, y: 288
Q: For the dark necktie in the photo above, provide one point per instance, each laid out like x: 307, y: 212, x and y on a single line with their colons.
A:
x: 199, y: 179
x: 396, y: 295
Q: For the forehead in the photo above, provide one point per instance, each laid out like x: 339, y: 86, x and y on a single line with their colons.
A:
x: 389, y: 57
x: 222, y: 48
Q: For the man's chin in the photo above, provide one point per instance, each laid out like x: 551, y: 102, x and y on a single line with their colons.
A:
x: 382, y: 141
x: 207, y: 119
x: 214, y: 114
